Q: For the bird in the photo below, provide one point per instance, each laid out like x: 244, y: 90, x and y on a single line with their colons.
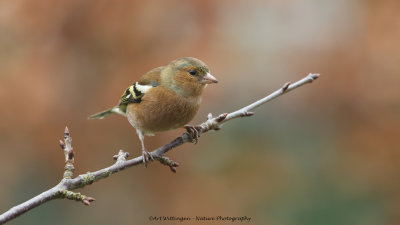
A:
x: 165, y: 98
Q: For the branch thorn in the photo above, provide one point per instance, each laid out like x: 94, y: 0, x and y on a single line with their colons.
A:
x: 314, y: 76
x: 247, y: 114
x: 66, y: 132
x: 87, y: 200
x: 168, y: 162
x: 62, y: 144
x: 285, y: 86
x: 221, y: 117
x: 122, y: 156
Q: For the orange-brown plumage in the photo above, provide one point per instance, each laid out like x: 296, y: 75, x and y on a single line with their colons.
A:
x: 161, y: 110
x: 164, y: 98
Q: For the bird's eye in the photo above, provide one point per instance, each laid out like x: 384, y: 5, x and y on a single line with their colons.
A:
x: 192, y: 72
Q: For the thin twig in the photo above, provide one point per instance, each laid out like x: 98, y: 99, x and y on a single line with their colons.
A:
x: 69, y: 154
x: 67, y: 184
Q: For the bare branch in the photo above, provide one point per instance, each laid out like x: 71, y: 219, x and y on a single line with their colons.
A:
x: 285, y: 89
x: 67, y: 184
x: 30, y: 204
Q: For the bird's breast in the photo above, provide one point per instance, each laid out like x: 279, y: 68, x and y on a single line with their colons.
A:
x: 161, y: 110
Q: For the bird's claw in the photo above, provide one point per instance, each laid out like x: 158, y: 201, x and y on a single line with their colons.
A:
x: 193, y: 131
x: 146, y: 157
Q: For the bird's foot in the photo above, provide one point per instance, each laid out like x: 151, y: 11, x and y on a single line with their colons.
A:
x: 146, y: 157
x: 194, y: 132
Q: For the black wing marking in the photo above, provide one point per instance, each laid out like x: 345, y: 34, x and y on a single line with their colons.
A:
x: 133, y: 94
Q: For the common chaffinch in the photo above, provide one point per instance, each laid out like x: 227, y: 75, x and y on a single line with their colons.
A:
x: 164, y: 98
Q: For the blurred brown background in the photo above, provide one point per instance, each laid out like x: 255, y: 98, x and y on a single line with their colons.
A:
x: 326, y: 153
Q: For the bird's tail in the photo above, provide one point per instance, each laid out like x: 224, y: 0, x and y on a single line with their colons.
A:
x: 107, y: 112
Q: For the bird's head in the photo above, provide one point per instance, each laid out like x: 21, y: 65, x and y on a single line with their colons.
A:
x: 188, y: 76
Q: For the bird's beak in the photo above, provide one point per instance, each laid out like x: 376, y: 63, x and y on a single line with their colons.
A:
x: 209, y: 79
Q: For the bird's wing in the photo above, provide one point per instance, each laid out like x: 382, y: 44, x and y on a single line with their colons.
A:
x: 152, y: 77
x: 135, y: 92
